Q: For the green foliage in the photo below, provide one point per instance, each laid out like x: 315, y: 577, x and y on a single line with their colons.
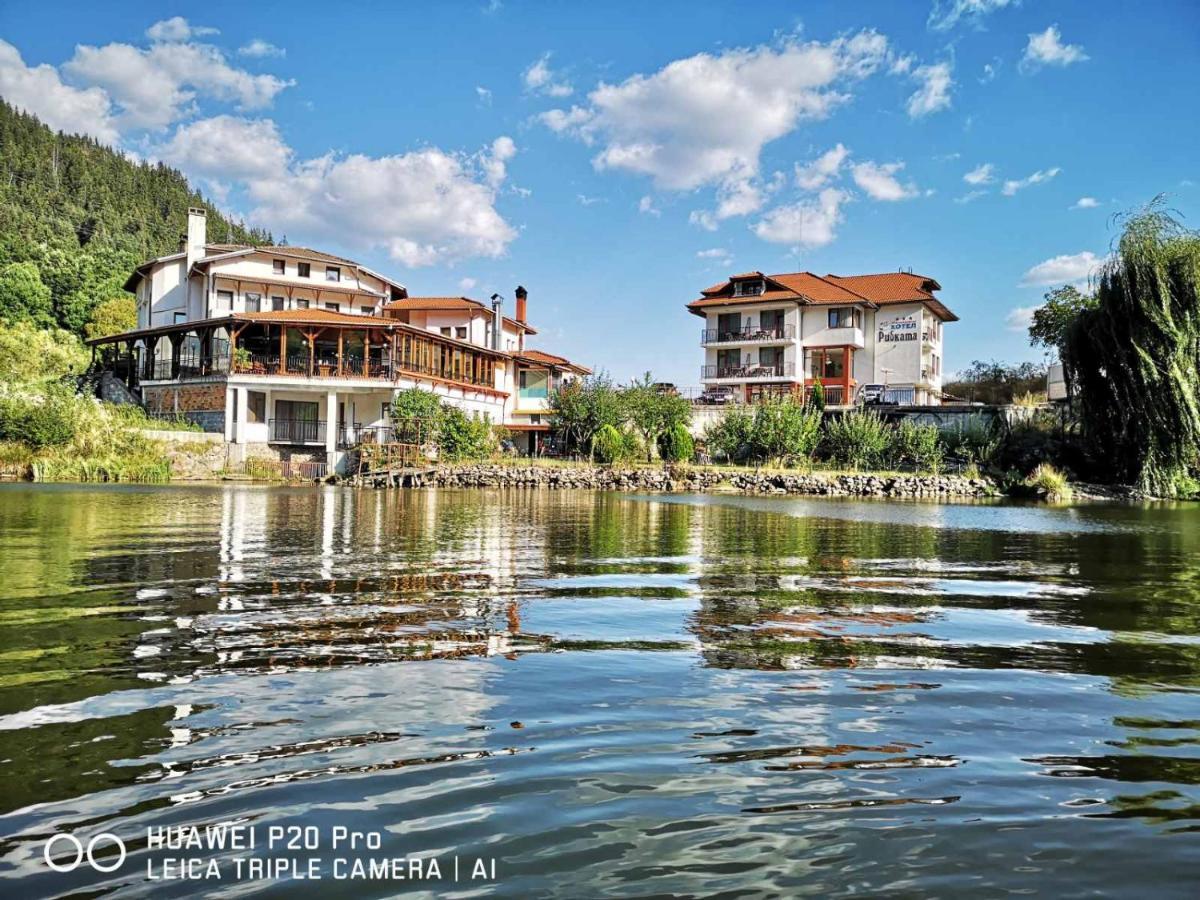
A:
x: 916, y: 445
x: 857, y: 439
x: 38, y: 422
x: 1049, y: 482
x: 460, y: 437
x: 416, y: 416
x: 30, y: 355
x: 24, y: 296
x: 784, y: 430
x: 652, y: 411
x: 996, y: 382
x: 676, y: 444
x: 113, y: 316
x: 1134, y: 358
x: 730, y: 437
x: 972, y: 442
x: 1054, y: 317
x: 581, y: 407
x: 817, y: 399
x: 608, y: 445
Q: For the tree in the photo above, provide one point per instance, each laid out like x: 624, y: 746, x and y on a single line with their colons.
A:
x: 997, y: 382
x: 461, y: 437
x: 112, y: 317
x: 729, y: 438
x: 652, y: 411
x: 23, y: 295
x: 31, y: 355
x: 416, y: 416
x: 1134, y: 357
x: 785, y: 429
x: 676, y: 444
x: 818, y: 396
x: 1054, y: 317
x: 581, y: 407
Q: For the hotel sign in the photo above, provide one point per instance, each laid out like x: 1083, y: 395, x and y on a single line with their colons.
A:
x: 902, y: 329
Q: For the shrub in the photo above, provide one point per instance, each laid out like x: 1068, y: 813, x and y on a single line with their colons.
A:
x: 1049, y: 482
x: 461, y: 437
x: 916, y: 445
x: 38, y: 423
x: 818, y: 396
x: 857, y: 439
x: 608, y: 445
x: 971, y: 442
x: 784, y: 429
x: 729, y: 437
x: 676, y: 444
x: 416, y: 416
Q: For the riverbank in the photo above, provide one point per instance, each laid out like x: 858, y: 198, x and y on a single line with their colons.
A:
x: 702, y: 480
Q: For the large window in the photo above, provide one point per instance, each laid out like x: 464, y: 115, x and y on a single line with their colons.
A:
x: 256, y: 406
x: 747, y: 288
x: 845, y: 317
x: 828, y: 365
x: 771, y: 320
x: 534, y: 384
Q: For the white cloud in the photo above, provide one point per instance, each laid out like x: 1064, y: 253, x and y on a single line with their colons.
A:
x: 704, y: 120
x: 934, y: 92
x: 1071, y: 268
x: 585, y: 200
x: 646, y: 205
x: 40, y: 90
x: 157, y: 86
x: 822, y: 170
x: 981, y: 174
x: 808, y: 223
x: 539, y: 78
x: 259, y: 49
x: 176, y: 29
x: 880, y: 182
x: 970, y: 196
x: 989, y: 71
x: 945, y: 14
x: 227, y: 148
x: 1019, y: 318
x: 465, y: 284
x: 494, y: 163
x: 902, y: 65
x: 1085, y: 203
x: 483, y: 95
x: 1014, y: 185
x: 712, y: 253
x: 1047, y: 49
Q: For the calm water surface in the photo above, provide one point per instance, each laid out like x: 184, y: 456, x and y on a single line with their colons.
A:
x: 610, y: 695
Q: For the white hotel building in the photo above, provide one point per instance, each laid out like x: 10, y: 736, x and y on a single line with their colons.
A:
x: 297, y: 354
x: 772, y: 333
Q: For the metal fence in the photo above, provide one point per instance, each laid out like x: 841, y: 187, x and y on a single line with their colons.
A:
x: 296, y: 431
x: 721, y: 336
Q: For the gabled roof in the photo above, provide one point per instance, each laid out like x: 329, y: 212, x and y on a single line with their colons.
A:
x: 425, y: 304
x: 314, y: 317
x: 808, y: 288
x: 541, y: 358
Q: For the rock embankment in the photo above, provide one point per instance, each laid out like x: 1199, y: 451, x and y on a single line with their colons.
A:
x: 699, y: 480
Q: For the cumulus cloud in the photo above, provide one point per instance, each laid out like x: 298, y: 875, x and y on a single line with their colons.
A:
x: 259, y: 49
x: 646, y: 206
x: 718, y: 255
x: 176, y: 29
x: 539, y: 78
x: 1085, y: 203
x: 981, y: 174
x: 880, y: 182
x: 1072, y: 268
x: 945, y: 14
x: 1020, y: 318
x: 465, y: 284
x: 934, y: 91
x: 704, y: 120
x: 40, y: 90
x: 1046, y: 48
x: 807, y: 223
x: 816, y: 174
x: 157, y: 86
x: 227, y: 148
x: 1017, y: 184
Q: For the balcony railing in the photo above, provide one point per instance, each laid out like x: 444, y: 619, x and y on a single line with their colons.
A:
x: 724, y: 336
x: 190, y: 365
x: 296, y: 431
x: 749, y: 370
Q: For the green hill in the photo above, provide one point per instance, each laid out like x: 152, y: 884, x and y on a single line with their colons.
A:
x: 84, y: 215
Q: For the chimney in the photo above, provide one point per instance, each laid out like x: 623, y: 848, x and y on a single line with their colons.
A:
x: 521, y: 295
x: 497, y: 321
x: 196, y: 235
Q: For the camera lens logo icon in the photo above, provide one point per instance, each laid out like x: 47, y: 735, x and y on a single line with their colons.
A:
x: 100, y: 841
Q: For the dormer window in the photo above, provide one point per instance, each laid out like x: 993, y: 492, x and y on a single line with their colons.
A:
x: 748, y: 288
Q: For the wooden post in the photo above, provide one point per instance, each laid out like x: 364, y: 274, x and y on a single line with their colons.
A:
x: 341, y: 331
x: 283, y: 350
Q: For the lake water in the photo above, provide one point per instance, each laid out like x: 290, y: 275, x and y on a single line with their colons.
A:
x: 607, y: 695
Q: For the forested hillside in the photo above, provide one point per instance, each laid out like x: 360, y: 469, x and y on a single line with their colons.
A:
x: 76, y: 217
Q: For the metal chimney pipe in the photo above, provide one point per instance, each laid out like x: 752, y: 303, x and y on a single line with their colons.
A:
x: 497, y: 320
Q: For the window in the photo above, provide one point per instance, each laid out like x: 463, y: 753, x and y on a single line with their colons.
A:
x: 461, y: 332
x: 368, y: 310
x: 180, y: 317
x: 225, y: 300
x: 828, y: 365
x: 278, y: 266
x: 256, y: 406
x: 729, y: 326
x: 532, y: 385
x: 301, y: 303
x: 333, y: 307
x: 304, y: 270
x: 333, y: 273
x: 277, y: 303
x: 845, y: 317
x: 771, y: 321
x: 253, y: 302
x: 445, y: 329
x: 772, y: 358
x: 747, y: 288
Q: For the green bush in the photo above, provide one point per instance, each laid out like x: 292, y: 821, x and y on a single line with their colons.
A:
x: 729, y: 438
x: 676, y: 444
x: 608, y: 446
x: 916, y: 445
x: 48, y: 422
x: 461, y: 437
x: 972, y: 442
x: 1049, y: 482
x: 857, y: 439
x: 784, y: 430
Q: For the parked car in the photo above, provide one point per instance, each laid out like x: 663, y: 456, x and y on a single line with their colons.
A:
x: 665, y: 387
x: 717, y: 396
x: 875, y: 395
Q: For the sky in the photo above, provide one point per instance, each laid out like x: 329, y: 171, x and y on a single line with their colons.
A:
x: 616, y: 158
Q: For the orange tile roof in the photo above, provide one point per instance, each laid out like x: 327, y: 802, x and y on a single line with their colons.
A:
x: 416, y: 304
x: 892, y: 287
x: 541, y: 357
x: 314, y: 317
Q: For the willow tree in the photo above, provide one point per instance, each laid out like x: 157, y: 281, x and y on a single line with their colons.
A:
x: 1134, y: 357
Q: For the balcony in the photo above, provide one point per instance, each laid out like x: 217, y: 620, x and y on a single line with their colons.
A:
x: 748, y: 335
x: 296, y: 431
x: 300, y: 364
x: 848, y: 336
x: 747, y: 372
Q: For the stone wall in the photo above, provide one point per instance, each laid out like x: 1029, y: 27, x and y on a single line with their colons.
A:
x: 699, y: 479
x: 203, y: 404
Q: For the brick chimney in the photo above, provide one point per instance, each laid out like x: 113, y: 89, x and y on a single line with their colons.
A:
x: 197, y: 231
x: 521, y: 295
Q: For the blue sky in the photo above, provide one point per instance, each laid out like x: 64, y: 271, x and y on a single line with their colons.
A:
x: 616, y: 158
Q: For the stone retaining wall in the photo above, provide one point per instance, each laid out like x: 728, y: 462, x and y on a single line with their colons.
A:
x: 690, y: 480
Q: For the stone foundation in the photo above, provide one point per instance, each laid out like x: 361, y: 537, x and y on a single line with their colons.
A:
x: 203, y: 404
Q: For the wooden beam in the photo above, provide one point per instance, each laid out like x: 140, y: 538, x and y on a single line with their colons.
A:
x: 340, y: 333
x: 283, y: 349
